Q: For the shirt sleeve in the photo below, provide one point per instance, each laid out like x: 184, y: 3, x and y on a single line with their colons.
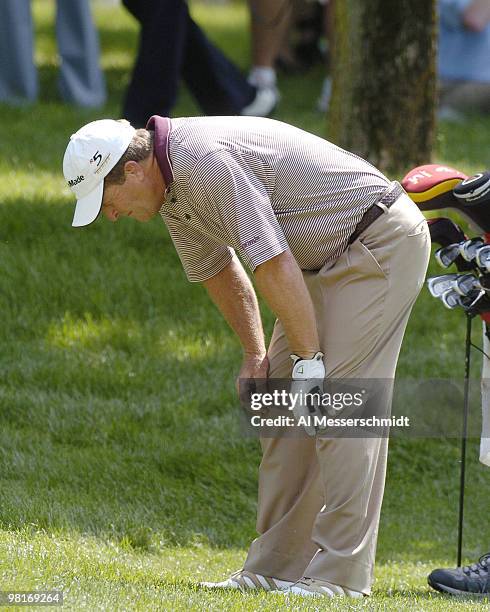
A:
x: 202, y: 257
x: 227, y: 185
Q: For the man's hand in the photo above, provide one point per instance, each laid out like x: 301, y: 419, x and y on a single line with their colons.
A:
x: 308, y: 375
x: 253, y: 366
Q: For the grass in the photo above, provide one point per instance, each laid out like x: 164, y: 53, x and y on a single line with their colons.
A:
x: 123, y: 477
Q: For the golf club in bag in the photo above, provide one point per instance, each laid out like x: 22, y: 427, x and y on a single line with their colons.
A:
x: 434, y: 187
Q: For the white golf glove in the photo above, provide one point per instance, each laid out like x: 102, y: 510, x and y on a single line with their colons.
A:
x: 308, y: 375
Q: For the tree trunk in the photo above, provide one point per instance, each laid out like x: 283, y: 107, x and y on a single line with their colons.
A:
x: 384, y: 81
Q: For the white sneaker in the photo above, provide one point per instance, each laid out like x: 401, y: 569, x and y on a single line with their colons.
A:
x: 311, y: 587
x: 262, y: 77
x: 263, y: 104
x: 248, y: 581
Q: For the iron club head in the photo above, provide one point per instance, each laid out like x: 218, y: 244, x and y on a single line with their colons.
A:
x: 465, y: 284
x: 482, y: 257
x: 445, y: 256
x: 468, y: 248
x: 438, y: 285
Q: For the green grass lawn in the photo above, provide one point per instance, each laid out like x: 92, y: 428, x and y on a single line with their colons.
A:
x: 123, y: 477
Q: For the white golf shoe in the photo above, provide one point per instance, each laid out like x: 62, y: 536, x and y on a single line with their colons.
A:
x: 311, y: 587
x: 248, y: 581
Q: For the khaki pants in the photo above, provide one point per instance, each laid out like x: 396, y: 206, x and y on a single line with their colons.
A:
x: 320, y: 499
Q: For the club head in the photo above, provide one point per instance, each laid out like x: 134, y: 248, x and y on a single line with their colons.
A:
x: 472, y: 197
x: 474, y: 189
x: 451, y: 299
x: 468, y: 248
x: 482, y: 257
x: 445, y: 256
x: 438, y: 285
x: 466, y: 284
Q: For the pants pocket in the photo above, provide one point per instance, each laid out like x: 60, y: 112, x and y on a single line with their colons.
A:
x: 373, y: 261
x: 419, y: 228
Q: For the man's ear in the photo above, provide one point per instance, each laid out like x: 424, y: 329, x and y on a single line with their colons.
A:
x: 132, y: 169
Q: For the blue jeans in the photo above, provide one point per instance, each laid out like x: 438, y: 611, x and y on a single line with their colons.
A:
x: 81, y: 81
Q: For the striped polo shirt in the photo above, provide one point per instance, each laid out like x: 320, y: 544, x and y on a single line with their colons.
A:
x: 258, y: 187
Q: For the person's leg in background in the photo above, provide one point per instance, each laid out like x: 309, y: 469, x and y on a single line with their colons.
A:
x: 329, y: 26
x: 217, y: 84
x: 81, y: 79
x: 172, y: 46
x: 270, y: 21
x: 18, y: 75
x: 155, y: 78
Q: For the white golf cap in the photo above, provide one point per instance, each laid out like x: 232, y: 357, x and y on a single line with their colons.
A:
x: 91, y: 154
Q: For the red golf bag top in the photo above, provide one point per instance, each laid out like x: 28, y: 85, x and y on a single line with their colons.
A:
x: 435, y: 186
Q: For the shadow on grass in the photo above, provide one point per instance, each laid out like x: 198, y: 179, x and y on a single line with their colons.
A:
x: 432, y: 595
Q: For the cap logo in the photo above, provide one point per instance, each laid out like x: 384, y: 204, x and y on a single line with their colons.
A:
x: 73, y: 182
x: 96, y: 158
x: 103, y: 164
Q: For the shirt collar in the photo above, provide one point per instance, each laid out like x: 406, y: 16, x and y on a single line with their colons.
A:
x: 162, y: 127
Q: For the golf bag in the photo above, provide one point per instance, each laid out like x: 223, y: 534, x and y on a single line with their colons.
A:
x: 435, y: 187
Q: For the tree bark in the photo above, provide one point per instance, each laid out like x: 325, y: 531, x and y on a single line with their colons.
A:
x: 384, y: 81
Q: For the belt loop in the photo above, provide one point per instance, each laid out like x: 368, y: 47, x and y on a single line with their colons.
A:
x: 383, y: 206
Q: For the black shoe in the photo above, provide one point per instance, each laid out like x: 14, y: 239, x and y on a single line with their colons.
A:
x: 469, y: 580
